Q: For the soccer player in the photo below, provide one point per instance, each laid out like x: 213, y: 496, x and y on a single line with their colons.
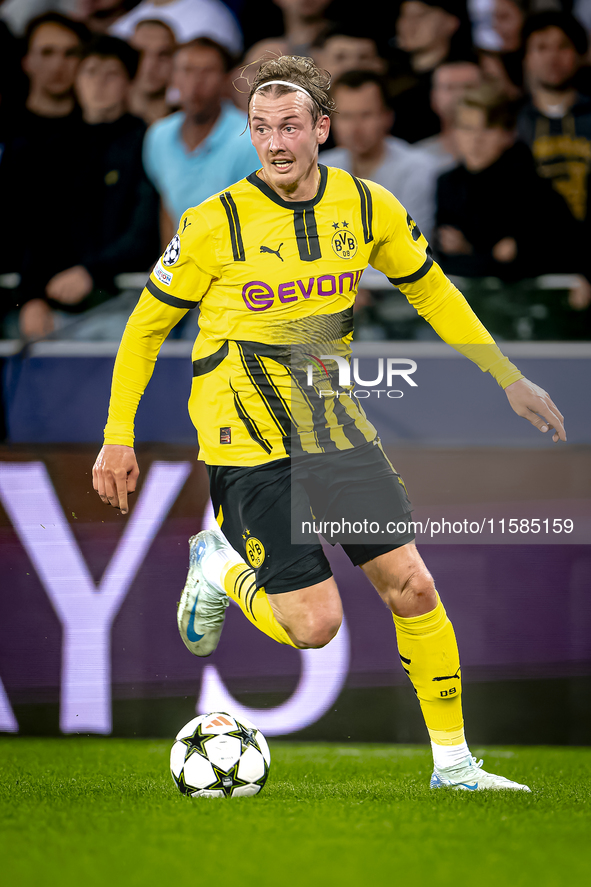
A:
x: 274, y: 262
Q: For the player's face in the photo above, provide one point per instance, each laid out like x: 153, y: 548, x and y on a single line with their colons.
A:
x: 286, y: 141
x: 479, y: 145
x: 52, y: 59
x: 551, y: 60
x: 102, y: 87
x: 362, y: 120
x: 156, y: 47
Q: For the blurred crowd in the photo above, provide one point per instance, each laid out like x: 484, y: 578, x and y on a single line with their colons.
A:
x: 117, y: 115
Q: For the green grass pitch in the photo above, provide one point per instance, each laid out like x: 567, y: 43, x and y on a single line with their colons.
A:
x: 90, y: 812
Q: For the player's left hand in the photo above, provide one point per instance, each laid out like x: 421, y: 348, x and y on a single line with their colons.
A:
x: 536, y: 405
x: 71, y: 286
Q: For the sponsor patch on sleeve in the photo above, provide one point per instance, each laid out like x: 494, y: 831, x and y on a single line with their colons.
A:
x: 162, y: 274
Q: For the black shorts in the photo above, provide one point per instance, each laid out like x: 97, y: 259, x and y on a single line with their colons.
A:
x: 272, y: 514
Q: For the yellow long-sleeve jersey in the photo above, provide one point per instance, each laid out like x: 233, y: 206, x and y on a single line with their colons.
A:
x: 276, y: 281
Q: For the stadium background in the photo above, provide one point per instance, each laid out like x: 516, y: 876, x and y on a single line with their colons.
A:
x: 520, y: 604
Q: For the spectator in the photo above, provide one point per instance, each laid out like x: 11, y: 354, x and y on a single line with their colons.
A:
x: 51, y: 61
x: 340, y: 48
x: 450, y: 82
x: 556, y: 123
x: 429, y: 33
x: 110, y: 217
x: 187, y: 19
x: 303, y: 22
x: 365, y: 149
x: 495, y: 217
x: 507, y: 19
x: 33, y: 135
x: 504, y: 64
x: 155, y: 42
x: 204, y: 147
x: 504, y: 70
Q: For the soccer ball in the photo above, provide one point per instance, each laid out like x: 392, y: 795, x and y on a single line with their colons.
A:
x: 172, y: 251
x: 216, y: 756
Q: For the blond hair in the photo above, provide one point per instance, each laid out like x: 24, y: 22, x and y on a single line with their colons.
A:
x: 303, y: 73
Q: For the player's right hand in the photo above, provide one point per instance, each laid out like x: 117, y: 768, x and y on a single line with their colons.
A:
x: 115, y: 474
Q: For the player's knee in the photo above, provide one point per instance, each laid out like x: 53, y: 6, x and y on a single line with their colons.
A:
x: 416, y: 596
x: 317, y: 631
x: 421, y: 589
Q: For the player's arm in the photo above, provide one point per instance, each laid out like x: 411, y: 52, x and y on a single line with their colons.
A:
x: 445, y: 308
x: 175, y: 286
x: 401, y: 252
x: 116, y: 471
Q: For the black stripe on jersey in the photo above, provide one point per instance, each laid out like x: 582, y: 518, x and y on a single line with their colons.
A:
x: 235, y: 229
x: 355, y: 437
x: 204, y: 365
x: 250, y: 425
x: 167, y: 298
x: 274, y: 387
x: 366, y: 209
x: 410, y: 278
x: 247, y: 363
x: 312, y: 407
x: 304, y: 222
x: 274, y: 403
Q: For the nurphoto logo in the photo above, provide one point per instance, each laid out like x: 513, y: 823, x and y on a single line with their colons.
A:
x: 388, y: 371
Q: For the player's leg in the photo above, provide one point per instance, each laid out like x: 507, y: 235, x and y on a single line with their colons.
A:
x: 311, y: 616
x: 429, y: 655
x: 306, y: 617
x: 426, y: 644
x: 286, y: 591
x: 426, y: 639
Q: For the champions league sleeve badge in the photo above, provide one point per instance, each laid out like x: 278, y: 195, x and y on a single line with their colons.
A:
x: 172, y: 251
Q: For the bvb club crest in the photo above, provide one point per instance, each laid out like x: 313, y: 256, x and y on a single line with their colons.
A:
x: 255, y: 552
x: 344, y: 242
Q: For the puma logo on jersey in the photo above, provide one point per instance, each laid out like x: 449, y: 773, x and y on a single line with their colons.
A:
x: 185, y: 225
x: 267, y: 249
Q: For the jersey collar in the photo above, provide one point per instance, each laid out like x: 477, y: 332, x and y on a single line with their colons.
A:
x: 291, y: 204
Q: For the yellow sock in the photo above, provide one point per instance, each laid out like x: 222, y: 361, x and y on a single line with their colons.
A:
x: 429, y: 654
x: 240, y: 584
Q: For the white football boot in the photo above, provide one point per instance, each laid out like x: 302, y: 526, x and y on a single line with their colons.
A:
x: 469, y: 776
x: 202, y: 608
